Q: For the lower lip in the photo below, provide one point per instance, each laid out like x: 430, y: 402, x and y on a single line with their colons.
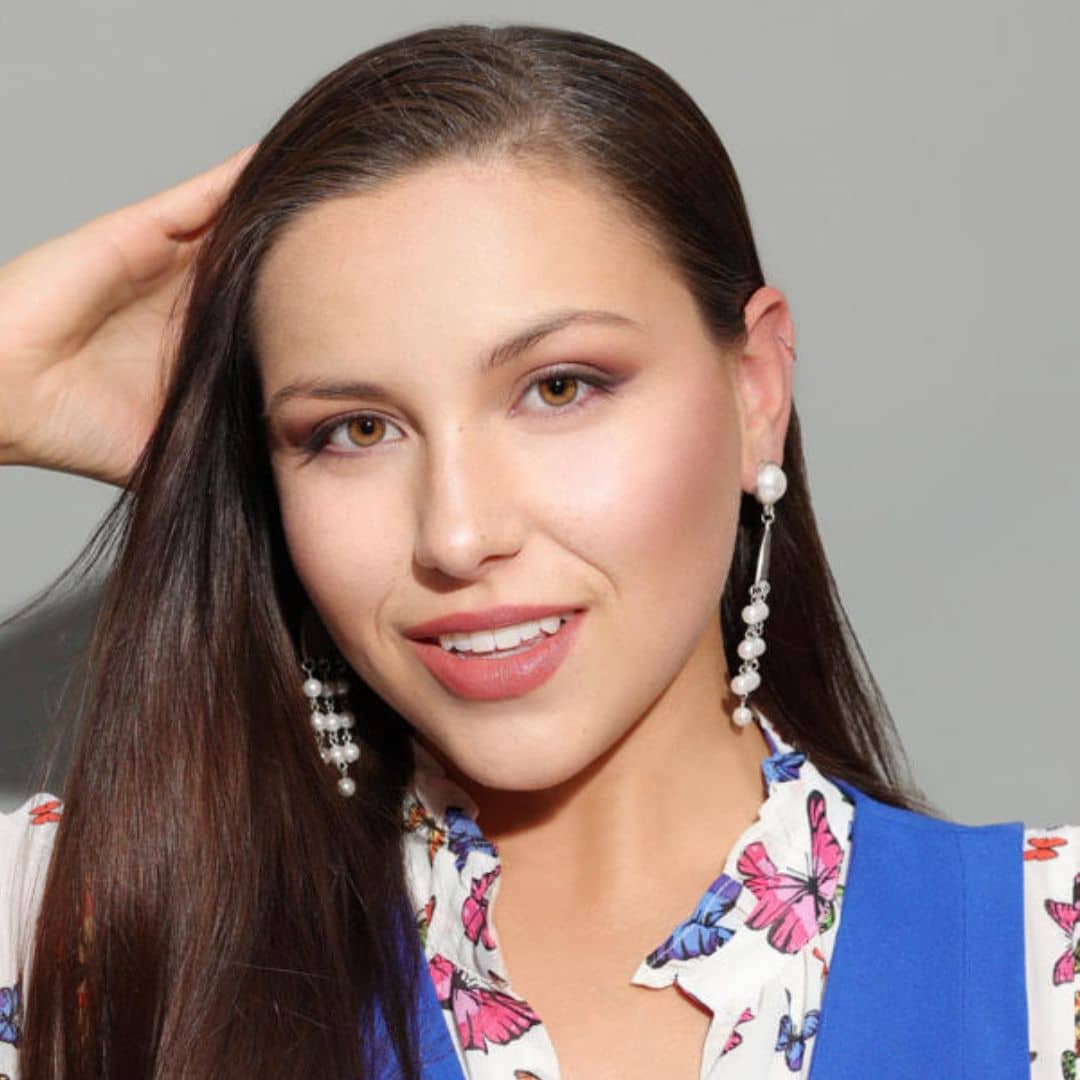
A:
x: 489, y: 677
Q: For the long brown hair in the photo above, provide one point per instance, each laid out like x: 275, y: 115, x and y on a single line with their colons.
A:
x: 243, y: 914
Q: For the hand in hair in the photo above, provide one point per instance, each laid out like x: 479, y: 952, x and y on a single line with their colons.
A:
x: 84, y: 360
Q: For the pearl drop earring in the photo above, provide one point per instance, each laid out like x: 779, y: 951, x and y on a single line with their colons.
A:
x: 770, y: 488
x: 325, y: 688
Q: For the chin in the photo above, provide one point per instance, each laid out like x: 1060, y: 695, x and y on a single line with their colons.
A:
x: 519, y: 768
x: 525, y: 775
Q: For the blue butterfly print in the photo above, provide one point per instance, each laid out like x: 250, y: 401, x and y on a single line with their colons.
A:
x: 464, y: 835
x: 700, y: 935
x: 9, y: 1014
x: 782, y: 766
x: 792, y: 1041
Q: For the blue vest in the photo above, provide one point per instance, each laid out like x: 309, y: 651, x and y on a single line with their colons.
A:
x: 927, y: 977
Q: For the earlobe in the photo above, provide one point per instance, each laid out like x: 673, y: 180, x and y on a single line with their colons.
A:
x: 763, y: 381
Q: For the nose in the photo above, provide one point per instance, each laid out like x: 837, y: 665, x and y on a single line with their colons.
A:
x: 467, y: 515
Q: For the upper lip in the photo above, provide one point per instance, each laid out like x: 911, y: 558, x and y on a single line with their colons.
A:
x: 487, y: 619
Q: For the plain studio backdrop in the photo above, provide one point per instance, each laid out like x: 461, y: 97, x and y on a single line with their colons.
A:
x: 911, y: 172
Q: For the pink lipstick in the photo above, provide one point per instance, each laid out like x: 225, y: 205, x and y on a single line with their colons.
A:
x: 501, y: 674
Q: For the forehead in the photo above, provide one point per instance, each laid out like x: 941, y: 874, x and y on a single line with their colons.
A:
x: 459, y: 245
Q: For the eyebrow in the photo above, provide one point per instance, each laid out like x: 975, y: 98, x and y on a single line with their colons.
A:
x: 503, y: 353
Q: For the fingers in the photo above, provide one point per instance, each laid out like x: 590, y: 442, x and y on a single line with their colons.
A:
x: 188, y: 207
x: 56, y: 295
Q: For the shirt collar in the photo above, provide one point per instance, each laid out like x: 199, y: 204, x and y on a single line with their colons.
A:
x: 780, y: 887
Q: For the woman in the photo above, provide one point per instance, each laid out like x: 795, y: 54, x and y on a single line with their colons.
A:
x: 465, y: 550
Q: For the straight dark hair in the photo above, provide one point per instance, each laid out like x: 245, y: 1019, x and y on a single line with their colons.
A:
x: 214, y: 907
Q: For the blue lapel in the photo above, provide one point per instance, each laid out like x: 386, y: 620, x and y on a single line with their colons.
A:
x: 437, y: 1052
x: 928, y: 969
x: 438, y: 1056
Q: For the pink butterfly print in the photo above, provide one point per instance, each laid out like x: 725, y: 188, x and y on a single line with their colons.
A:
x: 474, y: 911
x: 1066, y: 915
x: 794, y: 905
x: 482, y: 1016
x: 736, y: 1036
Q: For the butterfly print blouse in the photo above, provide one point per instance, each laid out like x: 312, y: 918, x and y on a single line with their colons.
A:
x: 754, y: 949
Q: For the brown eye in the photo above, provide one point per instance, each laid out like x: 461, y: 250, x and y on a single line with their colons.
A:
x: 352, y: 433
x: 364, y: 430
x: 563, y: 386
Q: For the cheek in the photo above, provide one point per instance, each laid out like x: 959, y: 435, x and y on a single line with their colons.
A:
x: 652, y: 500
x: 345, y: 549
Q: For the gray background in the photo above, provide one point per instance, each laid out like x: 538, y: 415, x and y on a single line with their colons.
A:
x: 911, y: 171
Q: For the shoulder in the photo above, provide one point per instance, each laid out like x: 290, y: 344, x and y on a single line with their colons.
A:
x: 1051, y: 857
x: 26, y: 841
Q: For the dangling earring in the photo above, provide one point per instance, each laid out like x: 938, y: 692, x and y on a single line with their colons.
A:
x: 325, y: 688
x: 771, y: 485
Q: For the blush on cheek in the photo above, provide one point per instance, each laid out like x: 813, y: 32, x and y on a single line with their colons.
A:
x: 664, y: 489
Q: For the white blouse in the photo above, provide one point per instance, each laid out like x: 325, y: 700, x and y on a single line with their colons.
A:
x: 754, y: 950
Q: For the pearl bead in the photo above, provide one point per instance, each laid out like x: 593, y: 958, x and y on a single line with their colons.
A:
x: 346, y: 785
x: 742, y: 716
x: 771, y: 484
x: 331, y: 722
x: 750, y: 648
x: 756, y: 612
x: 312, y: 688
x: 348, y: 719
x: 352, y: 752
x: 337, y: 755
x: 325, y: 755
x: 318, y: 721
x: 746, y: 683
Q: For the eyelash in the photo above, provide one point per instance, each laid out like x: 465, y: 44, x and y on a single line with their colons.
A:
x: 316, y: 442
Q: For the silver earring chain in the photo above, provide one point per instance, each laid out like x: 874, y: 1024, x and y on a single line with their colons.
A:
x: 326, y: 689
x: 771, y: 485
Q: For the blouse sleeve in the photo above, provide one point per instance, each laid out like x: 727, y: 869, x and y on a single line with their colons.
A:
x: 26, y: 840
x: 1052, y: 934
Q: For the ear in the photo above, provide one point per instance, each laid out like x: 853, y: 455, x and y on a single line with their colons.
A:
x: 763, y: 381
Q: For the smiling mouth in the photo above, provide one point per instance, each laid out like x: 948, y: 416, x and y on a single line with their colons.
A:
x: 500, y: 673
x: 497, y: 653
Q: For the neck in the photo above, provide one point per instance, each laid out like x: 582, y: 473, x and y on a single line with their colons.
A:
x: 675, y: 791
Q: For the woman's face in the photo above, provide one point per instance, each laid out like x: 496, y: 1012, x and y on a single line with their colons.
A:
x: 449, y: 485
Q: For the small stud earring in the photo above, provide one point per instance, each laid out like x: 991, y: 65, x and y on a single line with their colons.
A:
x: 770, y: 488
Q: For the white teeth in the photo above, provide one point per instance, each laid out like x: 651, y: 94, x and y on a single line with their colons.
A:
x: 503, y: 637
